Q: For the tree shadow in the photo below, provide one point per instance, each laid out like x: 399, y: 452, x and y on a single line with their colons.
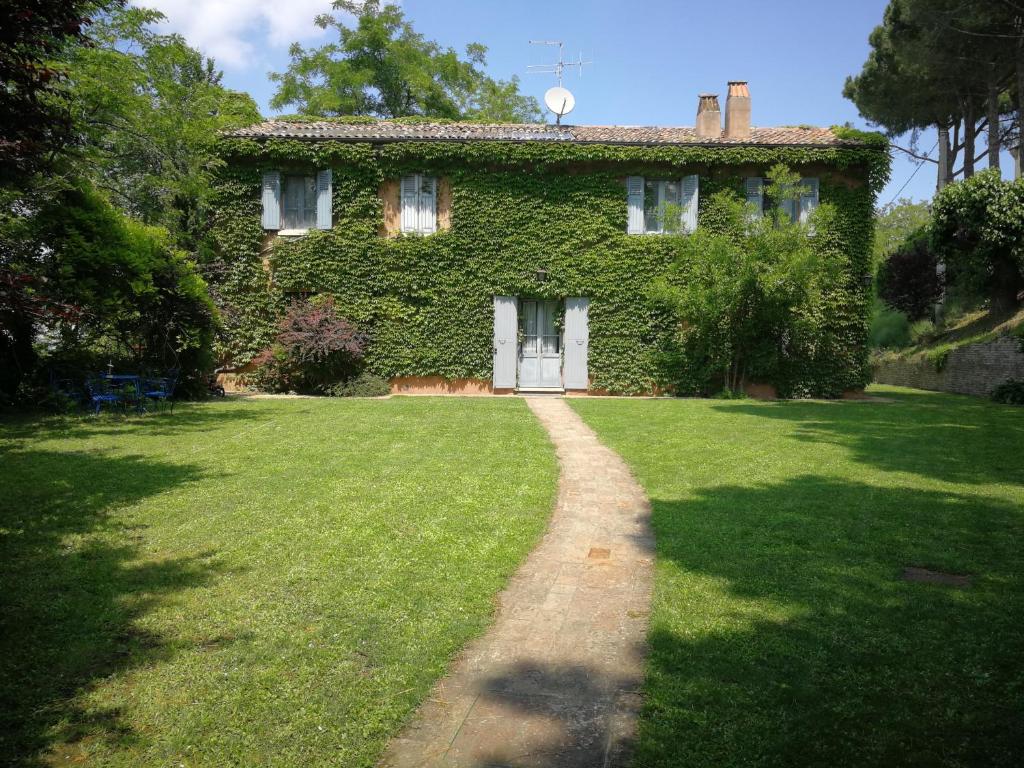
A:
x: 540, y: 714
x: 785, y: 635
x: 73, y: 583
x: 186, y: 418
x: 946, y: 437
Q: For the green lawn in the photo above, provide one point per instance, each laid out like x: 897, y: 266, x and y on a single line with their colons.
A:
x: 252, y: 582
x: 782, y: 633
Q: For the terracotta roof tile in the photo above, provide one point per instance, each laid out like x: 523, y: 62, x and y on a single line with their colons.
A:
x: 383, y: 130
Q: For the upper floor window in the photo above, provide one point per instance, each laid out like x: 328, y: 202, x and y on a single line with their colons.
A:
x: 657, y: 206
x: 795, y: 209
x: 419, y: 204
x: 296, y: 203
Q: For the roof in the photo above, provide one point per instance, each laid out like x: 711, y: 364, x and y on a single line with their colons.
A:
x: 387, y: 131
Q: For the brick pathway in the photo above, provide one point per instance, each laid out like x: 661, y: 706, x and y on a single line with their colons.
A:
x: 556, y: 679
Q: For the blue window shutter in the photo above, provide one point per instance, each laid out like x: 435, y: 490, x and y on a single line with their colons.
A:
x: 690, y: 188
x: 808, y: 198
x: 754, y: 191
x: 271, y: 200
x: 506, y: 341
x: 635, y: 201
x: 323, y: 199
x: 577, y: 341
x: 410, y: 202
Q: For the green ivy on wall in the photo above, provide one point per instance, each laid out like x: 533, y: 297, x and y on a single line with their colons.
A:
x: 517, y: 208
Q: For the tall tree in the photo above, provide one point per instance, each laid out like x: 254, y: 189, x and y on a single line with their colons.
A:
x: 927, y: 69
x: 382, y: 67
x: 34, y: 119
x: 149, y: 107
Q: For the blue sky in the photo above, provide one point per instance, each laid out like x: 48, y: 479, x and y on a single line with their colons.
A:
x: 651, y: 58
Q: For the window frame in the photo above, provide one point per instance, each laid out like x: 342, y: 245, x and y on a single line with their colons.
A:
x: 308, y: 207
x: 659, y: 185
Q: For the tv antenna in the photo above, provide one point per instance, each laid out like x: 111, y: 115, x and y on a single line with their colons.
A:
x: 558, y: 99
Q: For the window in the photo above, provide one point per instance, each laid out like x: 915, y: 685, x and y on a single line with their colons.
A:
x: 794, y: 209
x: 419, y: 204
x: 298, y: 202
x: 657, y: 206
x: 662, y: 199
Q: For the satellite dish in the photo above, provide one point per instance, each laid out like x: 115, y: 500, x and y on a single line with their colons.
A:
x: 560, y: 101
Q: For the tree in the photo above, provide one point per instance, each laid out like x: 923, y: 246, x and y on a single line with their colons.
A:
x: 978, y: 231
x: 34, y: 121
x: 894, y: 223
x: 745, y: 289
x: 149, y: 108
x: 927, y: 69
x: 909, y: 279
x: 382, y: 67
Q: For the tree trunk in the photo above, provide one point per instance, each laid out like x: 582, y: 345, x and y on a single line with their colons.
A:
x: 992, y: 109
x: 970, y: 134
x: 1020, y: 106
x: 945, y: 172
x: 1007, y: 283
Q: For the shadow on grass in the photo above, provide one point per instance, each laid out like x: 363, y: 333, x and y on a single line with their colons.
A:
x: 185, y: 418
x: 947, y: 437
x: 785, y: 635
x: 72, y: 587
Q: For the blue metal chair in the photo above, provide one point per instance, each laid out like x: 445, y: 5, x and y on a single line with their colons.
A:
x: 101, y: 393
x: 161, y: 390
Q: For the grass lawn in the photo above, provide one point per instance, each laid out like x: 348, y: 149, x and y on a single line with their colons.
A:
x: 259, y: 582
x: 782, y: 632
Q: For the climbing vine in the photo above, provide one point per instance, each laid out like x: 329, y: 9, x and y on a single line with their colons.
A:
x: 518, y: 208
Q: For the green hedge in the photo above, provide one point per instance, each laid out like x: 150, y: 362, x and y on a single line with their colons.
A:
x: 517, y: 207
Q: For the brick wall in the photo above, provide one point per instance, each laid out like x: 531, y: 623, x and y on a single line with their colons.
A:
x: 975, y: 369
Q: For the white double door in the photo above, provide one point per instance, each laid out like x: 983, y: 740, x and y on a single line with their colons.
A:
x: 540, y: 354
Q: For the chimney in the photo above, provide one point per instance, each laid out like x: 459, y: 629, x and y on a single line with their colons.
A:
x: 737, y: 110
x: 709, y: 117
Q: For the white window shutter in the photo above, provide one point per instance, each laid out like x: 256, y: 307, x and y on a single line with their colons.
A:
x: 754, y: 190
x: 323, y: 199
x: 428, y: 205
x: 506, y: 341
x: 271, y: 200
x: 690, y: 190
x: 410, y: 188
x: 577, y: 340
x: 635, y: 201
x: 808, y: 198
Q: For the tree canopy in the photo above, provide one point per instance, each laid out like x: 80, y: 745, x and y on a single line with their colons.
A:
x: 380, y: 66
x: 955, y: 65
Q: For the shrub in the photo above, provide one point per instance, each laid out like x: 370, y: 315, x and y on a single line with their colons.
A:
x: 890, y: 328
x: 908, y: 280
x: 921, y: 331
x: 978, y: 229
x: 1010, y: 392
x: 364, y: 385
x: 314, y: 349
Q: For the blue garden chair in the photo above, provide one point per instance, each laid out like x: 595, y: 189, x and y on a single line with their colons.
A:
x: 101, y: 393
x: 161, y: 390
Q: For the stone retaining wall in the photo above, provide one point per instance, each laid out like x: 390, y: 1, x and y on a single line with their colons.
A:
x: 975, y: 369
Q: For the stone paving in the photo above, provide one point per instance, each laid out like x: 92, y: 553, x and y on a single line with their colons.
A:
x: 556, y: 679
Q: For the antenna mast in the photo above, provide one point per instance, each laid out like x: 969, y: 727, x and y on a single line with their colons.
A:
x: 560, y: 67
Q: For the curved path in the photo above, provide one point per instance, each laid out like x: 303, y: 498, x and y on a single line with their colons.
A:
x: 555, y: 681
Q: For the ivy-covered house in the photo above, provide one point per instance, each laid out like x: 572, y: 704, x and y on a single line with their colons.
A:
x: 495, y: 258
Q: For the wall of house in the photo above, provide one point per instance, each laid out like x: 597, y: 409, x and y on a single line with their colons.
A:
x: 512, y: 210
x: 974, y: 369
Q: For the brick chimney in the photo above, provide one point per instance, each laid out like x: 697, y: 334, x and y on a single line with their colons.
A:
x: 737, y: 110
x: 709, y: 117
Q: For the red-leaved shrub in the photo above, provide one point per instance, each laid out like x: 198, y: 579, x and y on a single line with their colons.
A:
x: 314, y: 348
